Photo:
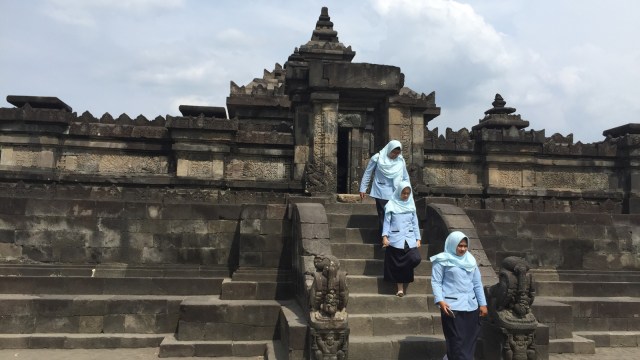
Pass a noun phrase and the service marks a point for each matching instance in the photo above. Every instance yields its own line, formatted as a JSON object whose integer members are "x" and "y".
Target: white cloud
{"x": 87, "y": 12}
{"x": 564, "y": 70}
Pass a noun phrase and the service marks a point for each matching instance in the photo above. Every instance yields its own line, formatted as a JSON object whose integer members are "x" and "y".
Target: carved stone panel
{"x": 113, "y": 164}
{"x": 258, "y": 169}
{"x": 454, "y": 174}
{"x": 506, "y": 177}
{"x": 325, "y": 140}
{"x": 579, "y": 180}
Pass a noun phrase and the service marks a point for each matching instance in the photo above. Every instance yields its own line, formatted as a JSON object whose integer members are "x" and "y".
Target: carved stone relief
{"x": 507, "y": 178}
{"x": 258, "y": 169}
{"x": 325, "y": 137}
{"x": 132, "y": 164}
{"x": 573, "y": 180}
{"x": 26, "y": 158}
{"x": 453, "y": 175}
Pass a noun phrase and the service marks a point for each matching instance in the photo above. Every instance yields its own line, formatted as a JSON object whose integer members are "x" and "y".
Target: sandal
{"x": 400, "y": 294}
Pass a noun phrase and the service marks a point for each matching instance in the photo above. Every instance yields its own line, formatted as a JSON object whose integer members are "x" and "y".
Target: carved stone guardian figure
{"x": 512, "y": 325}
{"x": 329, "y": 332}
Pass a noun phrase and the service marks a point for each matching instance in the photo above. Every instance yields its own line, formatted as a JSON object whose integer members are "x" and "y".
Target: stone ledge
{"x": 612, "y": 338}
{"x": 574, "y": 345}
{"x": 79, "y": 341}
{"x": 171, "y": 347}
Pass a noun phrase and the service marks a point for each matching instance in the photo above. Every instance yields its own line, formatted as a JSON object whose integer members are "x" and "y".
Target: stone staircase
{"x": 246, "y": 318}
{"x": 185, "y": 310}
{"x": 105, "y": 306}
{"x": 587, "y": 309}
{"x": 382, "y": 325}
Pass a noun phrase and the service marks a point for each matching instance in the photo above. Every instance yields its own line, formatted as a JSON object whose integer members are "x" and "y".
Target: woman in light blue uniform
{"x": 388, "y": 168}
{"x": 457, "y": 287}
{"x": 401, "y": 238}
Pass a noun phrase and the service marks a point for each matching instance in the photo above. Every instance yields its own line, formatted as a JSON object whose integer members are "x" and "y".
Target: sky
{"x": 567, "y": 66}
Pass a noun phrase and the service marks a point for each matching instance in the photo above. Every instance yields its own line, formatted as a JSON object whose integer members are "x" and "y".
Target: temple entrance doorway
{"x": 344, "y": 163}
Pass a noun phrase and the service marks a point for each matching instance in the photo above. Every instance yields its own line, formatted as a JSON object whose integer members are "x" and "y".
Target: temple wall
{"x": 103, "y": 231}
{"x": 180, "y": 152}
{"x": 81, "y": 190}
{"x": 510, "y": 169}
{"x": 567, "y": 241}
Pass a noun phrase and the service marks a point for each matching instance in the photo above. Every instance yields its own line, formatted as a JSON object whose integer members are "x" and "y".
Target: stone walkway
{"x": 627, "y": 353}
{"x": 98, "y": 354}
{"x": 619, "y": 353}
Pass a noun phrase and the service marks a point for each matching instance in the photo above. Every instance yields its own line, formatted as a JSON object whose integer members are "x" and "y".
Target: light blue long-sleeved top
{"x": 382, "y": 186}
{"x": 401, "y": 227}
{"x": 459, "y": 288}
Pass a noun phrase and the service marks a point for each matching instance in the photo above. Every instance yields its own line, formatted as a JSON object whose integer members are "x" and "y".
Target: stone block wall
{"x": 569, "y": 241}
{"x": 265, "y": 237}
{"x": 103, "y": 231}
{"x": 516, "y": 169}
{"x": 56, "y": 146}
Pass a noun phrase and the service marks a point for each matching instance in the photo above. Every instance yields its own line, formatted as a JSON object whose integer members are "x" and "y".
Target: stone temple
{"x": 241, "y": 235}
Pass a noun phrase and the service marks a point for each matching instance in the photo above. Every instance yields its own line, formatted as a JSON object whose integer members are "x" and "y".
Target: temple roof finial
{"x": 499, "y": 106}
{"x": 324, "y": 44}
{"x": 324, "y": 28}
{"x": 500, "y": 117}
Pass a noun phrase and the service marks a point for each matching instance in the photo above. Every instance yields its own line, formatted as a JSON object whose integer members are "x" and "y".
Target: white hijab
{"x": 449, "y": 257}
{"x": 391, "y": 168}
{"x": 396, "y": 205}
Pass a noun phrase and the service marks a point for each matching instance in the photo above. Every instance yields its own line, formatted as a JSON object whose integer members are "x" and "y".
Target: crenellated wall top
{"x": 557, "y": 144}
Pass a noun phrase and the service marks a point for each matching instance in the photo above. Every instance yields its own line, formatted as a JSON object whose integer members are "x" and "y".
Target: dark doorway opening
{"x": 343, "y": 160}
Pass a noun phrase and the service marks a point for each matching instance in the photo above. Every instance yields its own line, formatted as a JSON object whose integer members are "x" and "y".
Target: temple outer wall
{"x": 94, "y": 231}
{"x": 562, "y": 241}
{"x": 511, "y": 169}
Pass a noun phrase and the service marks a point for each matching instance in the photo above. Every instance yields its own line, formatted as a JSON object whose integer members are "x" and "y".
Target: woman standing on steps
{"x": 401, "y": 238}
{"x": 457, "y": 288}
{"x": 388, "y": 168}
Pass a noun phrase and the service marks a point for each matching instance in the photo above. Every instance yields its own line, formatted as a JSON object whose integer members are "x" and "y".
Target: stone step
{"x": 114, "y": 270}
{"x": 366, "y": 251}
{"x": 355, "y": 235}
{"x": 79, "y": 341}
{"x": 109, "y": 314}
{"x": 390, "y": 303}
{"x": 76, "y": 285}
{"x": 588, "y": 313}
{"x": 172, "y": 347}
{"x": 587, "y": 288}
{"x": 261, "y": 274}
{"x": 292, "y": 341}
{"x": 277, "y": 350}
{"x": 586, "y": 275}
{"x": 557, "y": 316}
{"x": 574, "y": 345}
{"x": 256, "y": 290}
{"x": 612, "y": 338}
{"x": 357, "y": 251}
{"x": 351, "y": 209}
{"x": 375, "y": 267}
{"x": 413, "y": 347}
{"x": 395, "y": 324}
{"x": 377, "y": 285}
{"x": 337, "y": 221}
{"x": 214, "y": 319}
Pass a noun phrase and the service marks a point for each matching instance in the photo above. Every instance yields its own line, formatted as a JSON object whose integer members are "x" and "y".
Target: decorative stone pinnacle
{"x": 324, "y": 44}
{"x": 324, "y": 28}
{"x": 499, "y": 106}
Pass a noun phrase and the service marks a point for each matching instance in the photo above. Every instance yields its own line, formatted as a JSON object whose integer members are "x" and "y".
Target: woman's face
{"x": 394, "y": 153}
{"x": 404, "y": 194}
{"x": 462, "y": 247}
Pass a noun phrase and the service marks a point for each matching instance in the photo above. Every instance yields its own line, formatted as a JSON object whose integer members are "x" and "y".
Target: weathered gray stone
{"x": 310, "y": 213}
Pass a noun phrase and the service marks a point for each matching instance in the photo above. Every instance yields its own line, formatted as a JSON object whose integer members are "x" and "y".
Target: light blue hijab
{"x": 391, "y": 168}
{"x": 449, "y": 258}
{"x": 396, "y": 205}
